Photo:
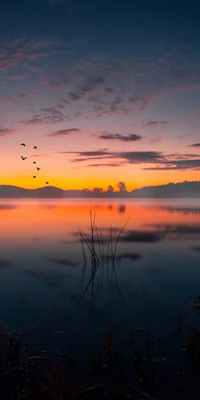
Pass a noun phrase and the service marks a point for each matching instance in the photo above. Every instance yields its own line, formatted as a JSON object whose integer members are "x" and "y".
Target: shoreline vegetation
{"x": 184, "y": 189}
{"x": 138, "y": 365}
{"x": 136, "y": 370}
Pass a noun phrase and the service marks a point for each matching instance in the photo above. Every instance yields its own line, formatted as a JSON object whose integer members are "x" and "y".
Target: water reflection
{"x": 122, "y": 208}
{"x": 41, "y": 260}
{"x": 5, "y": 262}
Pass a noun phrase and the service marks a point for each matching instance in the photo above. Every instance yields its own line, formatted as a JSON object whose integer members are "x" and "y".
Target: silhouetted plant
{"x": 100, "y": 260}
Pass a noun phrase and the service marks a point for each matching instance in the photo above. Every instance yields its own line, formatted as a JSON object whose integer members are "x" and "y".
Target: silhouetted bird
{"x": 23, "y": 144}
{"x": 34, "y": 162}
{"x": 35, "y": 147}
{"x": 47, "y": 183}
{"x": 23, "y": 158}
{"x": 34, "y": 176}
{"x": 38, "y": 168}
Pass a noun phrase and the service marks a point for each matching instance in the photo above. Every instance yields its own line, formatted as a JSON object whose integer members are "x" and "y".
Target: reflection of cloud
{"x": 48, "y": 277}
{"x": 48, "y": 206}
{"x": 75, "y": 297}
{"x": 5, "y": 262}
{"x": 153, "y": 270}
{"x": 141, "y": 237}
{"x": 197, "y": 248}
{"x": 182, "y": 210}
{"x": 5, "y": 206}
{"x": 40, "y": 238}
{"x": 176, "y": 228}
{"x": 87, "y": 303}
{"x": 41, "y": 273}
{"x": 141, "y": 291}
{"x": 130, "y": 256}
{"x": 66, "y": 262}
{"x": 66, "y": 241}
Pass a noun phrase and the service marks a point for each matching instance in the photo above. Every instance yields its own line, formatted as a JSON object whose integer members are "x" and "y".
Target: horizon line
{"x": 103, "y": 191}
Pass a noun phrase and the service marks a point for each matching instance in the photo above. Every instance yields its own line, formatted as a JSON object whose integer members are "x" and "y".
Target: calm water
{"x": 41, "y": 265}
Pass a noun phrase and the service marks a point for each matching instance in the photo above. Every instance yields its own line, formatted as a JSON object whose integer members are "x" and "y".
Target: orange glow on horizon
{"x": 148, "y": 179}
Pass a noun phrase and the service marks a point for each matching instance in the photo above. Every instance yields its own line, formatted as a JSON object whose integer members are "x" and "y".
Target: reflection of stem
{"x": 118, "y": 237}
{"x": 98, "y": 261}
{"x": 142, "y": 394}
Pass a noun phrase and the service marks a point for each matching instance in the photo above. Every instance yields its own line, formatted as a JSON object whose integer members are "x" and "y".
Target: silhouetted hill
{"x": 49, "y": 192}
{"x": 7, "y": 191}
{"x": 171, "y": 190}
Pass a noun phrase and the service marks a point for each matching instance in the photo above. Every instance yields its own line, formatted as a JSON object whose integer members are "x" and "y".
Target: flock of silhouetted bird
{"x": 34, "y": 162}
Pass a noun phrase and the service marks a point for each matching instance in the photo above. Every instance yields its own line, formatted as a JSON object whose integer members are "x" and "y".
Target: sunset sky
{"x": 108, "y": 91}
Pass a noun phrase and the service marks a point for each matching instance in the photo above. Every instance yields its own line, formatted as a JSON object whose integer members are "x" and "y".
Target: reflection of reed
{"x": 102, "y": 262}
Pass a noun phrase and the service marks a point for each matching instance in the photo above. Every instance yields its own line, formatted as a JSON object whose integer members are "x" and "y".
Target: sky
{"x": 108, "y": 91}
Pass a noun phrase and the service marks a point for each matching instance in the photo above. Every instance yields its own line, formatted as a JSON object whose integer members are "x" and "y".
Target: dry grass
{"x": 103, "y": 262}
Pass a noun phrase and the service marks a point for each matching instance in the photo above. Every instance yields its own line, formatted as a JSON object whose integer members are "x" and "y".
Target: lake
{"x": 42, "y": 265}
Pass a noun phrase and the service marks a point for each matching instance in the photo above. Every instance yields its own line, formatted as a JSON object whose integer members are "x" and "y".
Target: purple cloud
{"x": 194, "y": 145}
{"x": 131, "y": 137}
{"x": 63, "y": 132}
{"x": 159, "y": 160}
{"x": 154, "y": 124}
{"x": 6, "y": 132}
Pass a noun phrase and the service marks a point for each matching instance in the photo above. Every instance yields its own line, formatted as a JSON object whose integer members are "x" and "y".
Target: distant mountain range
{"x": 171, "y": 190}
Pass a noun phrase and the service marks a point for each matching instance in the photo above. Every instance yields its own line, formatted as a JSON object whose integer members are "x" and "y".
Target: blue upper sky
{"x": 150, "y": 20}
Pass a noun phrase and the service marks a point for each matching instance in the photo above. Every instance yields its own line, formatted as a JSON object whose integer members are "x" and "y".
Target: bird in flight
{"x": 23, "y": 144}
{"x": 35, "y": 147}
{"x": 23, "y": 158}
{"x": 47, "y": 183}
{"x": 38, "y": 168}
{"x": 34, "y": 162}
{"x": 34, "y": 176}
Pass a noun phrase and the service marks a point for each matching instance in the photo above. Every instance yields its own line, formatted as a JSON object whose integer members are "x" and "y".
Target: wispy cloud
{"x": 50, "y": 115}
{"x": 114, "y": 164}
{"x": 23, "y": 51}
{"x": 159, "y": 160}
{"x": 6, "y": 131}
{"x": 131, "y": 137}
{"x": 194, "y": 145}
{"x": 132, "y": 157}
{"x": 63, "y": 132}
{"x": 176, "y": 165}
{"x": 154, "y": 124}
{"x": 23, "y": 95}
